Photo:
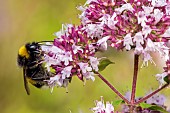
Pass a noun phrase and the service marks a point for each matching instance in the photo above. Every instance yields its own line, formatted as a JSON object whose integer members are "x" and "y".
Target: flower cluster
{"x": 139, "y": 25}
{"x": 100, "y": 107}
{"x": 72, "y": 53}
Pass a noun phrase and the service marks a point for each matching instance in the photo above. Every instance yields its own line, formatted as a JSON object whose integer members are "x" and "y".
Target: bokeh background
{"x": 24, "y": 21}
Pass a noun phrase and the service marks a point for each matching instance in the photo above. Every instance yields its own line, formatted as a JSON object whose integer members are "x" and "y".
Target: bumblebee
{"x": 30, "y": 58}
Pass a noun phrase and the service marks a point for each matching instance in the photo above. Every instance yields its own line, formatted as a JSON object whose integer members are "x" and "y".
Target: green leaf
{"x": 158, "y": 108}
{"x": 167, "y": 79}
{"x": 153, "y": 107}
{"x": 104, "y": 63}
{"x": 145, "y": 105}
{"x": 118, "y": 102}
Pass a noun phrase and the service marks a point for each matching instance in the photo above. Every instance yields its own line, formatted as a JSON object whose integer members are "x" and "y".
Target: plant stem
{"x": 113, "y": 88}
{"x": 136, "y": 60}
{"x": 153, "y": 93}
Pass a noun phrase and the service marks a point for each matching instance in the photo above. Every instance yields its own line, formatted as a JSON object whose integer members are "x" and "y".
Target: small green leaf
{"x": 158, "y": 108}
{"x": 145, "y": 105}
{"x": 118, "y": 102}
{"x": 104, "y": 63}
{"x": 167, "y": 79}
{"x": 153, "y": 107}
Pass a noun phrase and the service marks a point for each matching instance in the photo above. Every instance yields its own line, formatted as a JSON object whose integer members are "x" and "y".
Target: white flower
{"x": 162, "y": 49}
{"x": 54, "y": 79}
{"x": 138, "y": 49}
{"x": 94, "y": 30}
{"x": 104, "y": 19}
{"x": 51, "y": 61}
{"x": 150, "y": 46}
{"x": 81, "y": 8}
{"x": 157, "y": 47}
{"x": 86, "y": 71}
{"x": 67, "y": 56}
{"x": 111, "y": 22}
{"x": 84, "y": 67}
{"x": 46, "y": 47}
{"x": 92, "y": 48}
{"x": 103, "y": 42}
{"x": 57, "y": 80}
{"x": 56, "y": 50}
{"x": 138, "y": 38}
{"x": 146, "y": 57}
{"x": 100, "y": 107}
{"x": 63, "y": 30}
{"x": 66, "y": 28}
{"x": 94, "y": 63}
{"x": 76, "y": 49}
{"x": 146, "y": 30}
{"x": 158, "y": 15}
{"x": 128, "y": 41}
{"x": 66, "y": 72}
{"x": 109, "y": 107}
{"x": 89, "y": 76}
{"x": 147, "y": 10}
{"x": 158, "y": 3}
{"x": 55, "y": 58}
{"x": 63, "y": 82}
{"x": 126, "y": 6}
{"x": 58, "y": 34}
{"x": 167, "y": 9}
{"x": 160, "y": 78}
{"x": 141, "y": 18}
{"x": 82, "y": 16}
{"x": 166, "y": 33}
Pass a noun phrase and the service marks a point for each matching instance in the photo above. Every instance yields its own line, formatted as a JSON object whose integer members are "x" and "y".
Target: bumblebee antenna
{"x": 42, "y": 43}
{"x": 45, "y": 41}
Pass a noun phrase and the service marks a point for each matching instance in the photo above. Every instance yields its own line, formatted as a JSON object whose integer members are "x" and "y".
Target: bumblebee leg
{"x": 26, "y": 82}
{"x": 34, "y": 64}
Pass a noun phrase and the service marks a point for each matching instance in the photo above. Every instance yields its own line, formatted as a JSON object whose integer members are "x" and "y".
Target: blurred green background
{"x": 24, "y": 21}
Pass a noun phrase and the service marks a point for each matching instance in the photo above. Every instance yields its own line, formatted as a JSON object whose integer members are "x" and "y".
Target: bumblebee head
{"x": 33, "y": 48}
{"x": 27, "y": 51}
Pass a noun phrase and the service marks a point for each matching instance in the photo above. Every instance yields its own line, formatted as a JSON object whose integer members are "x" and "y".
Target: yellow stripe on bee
{"x": 23, "y": 52}
{"x": 31, "y": 81}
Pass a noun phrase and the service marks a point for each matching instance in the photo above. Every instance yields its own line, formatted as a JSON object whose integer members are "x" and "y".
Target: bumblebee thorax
{"x": 23, "y": 52}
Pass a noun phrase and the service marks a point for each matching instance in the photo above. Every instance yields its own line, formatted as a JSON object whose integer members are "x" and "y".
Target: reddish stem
{"x": 150, "y": 95}
{"x": 113, "y": 88}
{"x": 136, "y": 60}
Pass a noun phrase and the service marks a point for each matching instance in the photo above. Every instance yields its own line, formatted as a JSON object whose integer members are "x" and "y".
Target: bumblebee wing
{"x": 26, "y": 82}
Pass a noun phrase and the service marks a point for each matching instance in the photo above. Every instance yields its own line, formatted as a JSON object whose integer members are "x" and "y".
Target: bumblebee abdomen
{"x": 37, "y": 83}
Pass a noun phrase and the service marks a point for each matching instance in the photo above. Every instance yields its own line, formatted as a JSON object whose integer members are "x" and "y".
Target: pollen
{"x": 23, "y": 52}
